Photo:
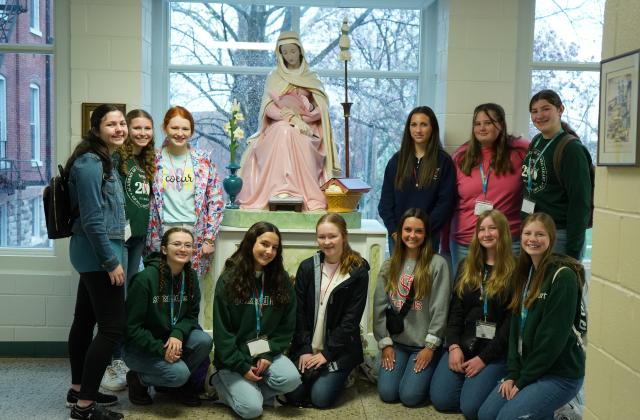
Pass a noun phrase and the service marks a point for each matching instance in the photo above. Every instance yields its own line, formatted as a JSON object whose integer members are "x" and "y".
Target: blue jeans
{"x": 452, "y": 391}
{"x": 246, "y": 397}
{"x": 133, "y": 254}
{"x": 536, "y": 401}
{"x": 154, "y": 370}
{"x": 402, "y": 383}
{"x": 323, "y": 391}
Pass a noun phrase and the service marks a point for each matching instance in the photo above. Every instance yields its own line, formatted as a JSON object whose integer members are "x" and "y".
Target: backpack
{"x": 58, "y": 213}
{"x": 579, "y": 326}
{"x": 557, "y": 159}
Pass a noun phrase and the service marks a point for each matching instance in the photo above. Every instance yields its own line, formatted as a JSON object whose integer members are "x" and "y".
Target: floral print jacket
{"x": 208, "y": 207}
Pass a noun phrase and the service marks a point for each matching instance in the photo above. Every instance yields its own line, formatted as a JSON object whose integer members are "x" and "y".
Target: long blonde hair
{"x": 422, "y": 278}
{"x": 499, "y": 282}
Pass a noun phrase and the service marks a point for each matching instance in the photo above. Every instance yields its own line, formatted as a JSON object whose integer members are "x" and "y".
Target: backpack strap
{"x": 559, "y": 151}
{"x": 573, "y": 325}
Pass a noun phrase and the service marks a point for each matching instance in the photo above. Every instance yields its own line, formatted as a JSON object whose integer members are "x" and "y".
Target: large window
{"x": 223, "y": 51}
{"x": 26, "y": 121}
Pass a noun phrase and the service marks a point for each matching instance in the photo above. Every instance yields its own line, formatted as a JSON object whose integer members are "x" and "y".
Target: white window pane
{"x": 568, "y": 30}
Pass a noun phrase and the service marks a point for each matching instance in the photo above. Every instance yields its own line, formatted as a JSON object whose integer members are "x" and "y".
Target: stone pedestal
{"x": 298, "y": 244}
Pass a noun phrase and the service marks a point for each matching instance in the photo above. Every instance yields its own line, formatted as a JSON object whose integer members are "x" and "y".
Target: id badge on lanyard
{"x": 483, "y": 205}
{"x": 485, "y": 329}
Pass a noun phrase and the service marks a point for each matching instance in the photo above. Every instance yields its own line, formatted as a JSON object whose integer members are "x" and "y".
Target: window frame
{"x": 3, "y": 121}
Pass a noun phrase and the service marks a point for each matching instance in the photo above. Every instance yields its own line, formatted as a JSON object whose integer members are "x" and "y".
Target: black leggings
{"x": 97, "y": 301}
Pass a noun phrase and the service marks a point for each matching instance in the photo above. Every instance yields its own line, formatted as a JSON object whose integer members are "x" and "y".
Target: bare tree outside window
{"x": 220, "y": 52}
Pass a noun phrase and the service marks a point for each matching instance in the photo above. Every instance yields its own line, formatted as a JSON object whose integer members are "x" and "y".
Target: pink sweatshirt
{"x": 504, "y": 192}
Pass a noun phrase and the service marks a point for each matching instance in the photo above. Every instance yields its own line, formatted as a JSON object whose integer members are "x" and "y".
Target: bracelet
{"x": 454, "y": 346}
{"x": 430, "y": 346}
{"x": 209, "y": 241}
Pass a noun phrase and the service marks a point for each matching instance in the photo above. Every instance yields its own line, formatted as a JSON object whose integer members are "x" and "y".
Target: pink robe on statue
{"x": 283, "y": 160}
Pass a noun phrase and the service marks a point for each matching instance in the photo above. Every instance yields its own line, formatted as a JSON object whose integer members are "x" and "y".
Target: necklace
{"x": 173, "y": 166}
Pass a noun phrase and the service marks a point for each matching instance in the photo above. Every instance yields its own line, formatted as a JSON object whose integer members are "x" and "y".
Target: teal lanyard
{"x": 174, "y": 318}
{"x": 258, "y": 303}
{"x": 485, "y": 180}
{"x": 524, "y": 312}
{"x": 532, "y": 165}
{"x": 483, "y": 295}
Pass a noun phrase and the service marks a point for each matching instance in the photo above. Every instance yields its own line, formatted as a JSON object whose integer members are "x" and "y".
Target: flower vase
{"x": 232, "y": 185}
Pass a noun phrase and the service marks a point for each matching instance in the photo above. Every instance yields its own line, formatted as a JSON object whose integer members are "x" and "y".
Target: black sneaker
{"x": 93, "y": 412}
{"x": 138, "y": 393}
{"x": 103, "y": 400}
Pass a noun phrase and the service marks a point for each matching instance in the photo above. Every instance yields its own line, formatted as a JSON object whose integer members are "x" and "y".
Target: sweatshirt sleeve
{"x": 349, "y": 325}
{"x": 302, "y": 337}
{"x": 214, "y": 203}
{"x": 380, "y": 302}
{"x": 189, "y": 320}
{"x": 387, "y": 204}
{"x": 438, "y": 300}
{"x": 455, "y": 323}
{"x": 446, "y": 196}
{"x": 224, "y": 338}
{"x": 553, "y": 330}
{"x": 280, "y": 340}
{"x": 576, "y": 180}
{"x": 137, "y": 306}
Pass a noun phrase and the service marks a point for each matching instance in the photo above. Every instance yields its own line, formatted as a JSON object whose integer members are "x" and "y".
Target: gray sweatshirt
{"x": 427, "y": 319}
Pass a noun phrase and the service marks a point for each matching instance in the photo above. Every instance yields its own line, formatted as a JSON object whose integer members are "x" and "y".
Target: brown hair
{"x": 553, "y": 98}
{"x": 190, "y": 277}
{"x": 422, "y": 278}
{"x": 406, "y": 155}
{"x": 147, "y": 156}
{"x": 501, "y": 148}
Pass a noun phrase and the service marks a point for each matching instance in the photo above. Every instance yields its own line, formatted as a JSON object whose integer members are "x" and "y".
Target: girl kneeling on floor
{"x": 332, "y": 292}
{"x": 478, "y": 325}
{"x": 546, "y": 357}
{"x": 411, "y": 303}
{"x": 254, "y": 316}
{"x": 164, "y": 343}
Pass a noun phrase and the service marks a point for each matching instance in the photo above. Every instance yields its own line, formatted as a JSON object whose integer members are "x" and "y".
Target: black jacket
{"x": 342, "y": 345}
{"x": 463, "y": 314}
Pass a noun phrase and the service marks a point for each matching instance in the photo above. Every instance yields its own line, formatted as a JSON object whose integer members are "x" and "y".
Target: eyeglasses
{"x": 185, "y": 245}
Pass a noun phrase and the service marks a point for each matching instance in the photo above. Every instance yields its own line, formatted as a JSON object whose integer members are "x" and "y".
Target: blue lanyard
{"x": 174, "y": 319}
{"x": 483, "y": 295}
{"x": 485, "y": 180}
{"x": 535, "y": 162}
{"x": 258, "y": 303}
{"x": 524, "y": 312}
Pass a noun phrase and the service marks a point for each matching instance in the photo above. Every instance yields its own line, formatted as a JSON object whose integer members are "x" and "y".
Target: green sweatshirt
{"x": 137, "y": 197}
{"x": 148, "y": 308}
{"x": 567, "y": 202}
{"x": 234, "y": 323}
{"x": 549, "y": 345}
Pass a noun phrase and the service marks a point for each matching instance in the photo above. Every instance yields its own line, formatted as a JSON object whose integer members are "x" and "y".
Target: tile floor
{"x": 36, "y": 388}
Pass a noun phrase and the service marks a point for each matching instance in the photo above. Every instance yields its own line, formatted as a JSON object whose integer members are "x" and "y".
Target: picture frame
{"x": 87, "y": 110}
{"x": 618, "y": 133}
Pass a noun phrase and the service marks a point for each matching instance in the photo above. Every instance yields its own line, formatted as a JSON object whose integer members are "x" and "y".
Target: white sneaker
{"x": 121, "y": 367}
{"x": 113, "y": 380}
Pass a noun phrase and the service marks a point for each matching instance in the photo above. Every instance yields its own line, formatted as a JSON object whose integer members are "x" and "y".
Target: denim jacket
{"x": 101, "y": 207}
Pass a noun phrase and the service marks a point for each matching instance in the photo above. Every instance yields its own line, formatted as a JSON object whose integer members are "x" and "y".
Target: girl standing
{"x": 420, "y": 175}
{"x": 546, "y": 358}
{"x": 164, "y": 344}
{"x": 331, "y": 288}
{"x": 487, "y": 177}
{"x": 556, "y": 174}
{"x": 96, "y": 251}
{"x": 478, "y": 324}
{"x": 186, "y": 190}
{"x": 414, "y": 281}
{"x": 254, "y": 316}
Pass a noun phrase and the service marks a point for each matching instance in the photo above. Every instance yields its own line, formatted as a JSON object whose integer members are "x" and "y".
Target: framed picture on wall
{"x": 87, "y": 110}
{"x": 618, "y": 134}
